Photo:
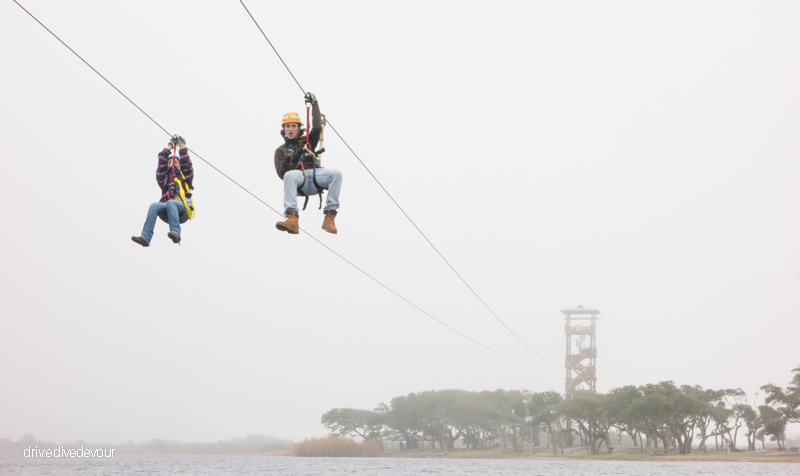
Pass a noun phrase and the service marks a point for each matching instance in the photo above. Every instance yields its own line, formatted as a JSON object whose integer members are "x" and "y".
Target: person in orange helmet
{"x": 301, "y": 171}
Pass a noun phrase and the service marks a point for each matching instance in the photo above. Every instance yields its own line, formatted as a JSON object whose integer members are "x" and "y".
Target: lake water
{"x": 147, "y": 465}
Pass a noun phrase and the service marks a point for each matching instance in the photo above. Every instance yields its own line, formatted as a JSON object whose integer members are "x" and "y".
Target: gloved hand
{"x": 172, "y": 142}
{"x": 310, "y": 98}
{"x": 181, "y": 142}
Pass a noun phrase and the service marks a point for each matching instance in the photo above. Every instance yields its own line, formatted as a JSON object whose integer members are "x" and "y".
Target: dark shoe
{"x": 140, "y": 241}
{"x": 174, "y": 237}
{"x": 291, "y": 224}
{"x": 328, "y": 223}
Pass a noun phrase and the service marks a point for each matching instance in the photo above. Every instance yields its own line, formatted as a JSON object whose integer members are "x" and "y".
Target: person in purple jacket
{"x": 171, "y": 207}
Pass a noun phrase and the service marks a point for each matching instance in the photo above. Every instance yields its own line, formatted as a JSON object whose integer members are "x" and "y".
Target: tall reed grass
{"x": 336, "y": 446}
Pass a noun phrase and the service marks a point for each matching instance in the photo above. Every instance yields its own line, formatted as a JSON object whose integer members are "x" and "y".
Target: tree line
{"x": 675, "y": 417}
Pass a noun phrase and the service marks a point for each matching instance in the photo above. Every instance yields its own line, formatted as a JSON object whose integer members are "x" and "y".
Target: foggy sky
{"x": 635, "y": 157}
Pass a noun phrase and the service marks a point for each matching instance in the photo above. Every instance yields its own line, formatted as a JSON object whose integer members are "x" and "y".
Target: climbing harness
{"x": 184, "y": 187}
{"x": 315, "y": 160}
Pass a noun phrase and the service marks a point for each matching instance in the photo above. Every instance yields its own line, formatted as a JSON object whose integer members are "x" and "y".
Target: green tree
{"x": 509, "y": 424}
{"x": 369, "y": 425}
{"x": 709, "y": 417}
{"x": 774, "y": 424}
{"x": 721, "y": 415}
{"x": 737, "y": 402}
{"x": 620, "y": 402}
{"x": 753, "y": 423}
{"x": 405, "y": 420}
{"x": 786, "y": 401}
{"x": 529, "y": 429}
{"x": 761, "y": 436}
{"x": 671, "y": 412}
{"x": 501, "y": 414}
{"x": 545, "y": 409}
{"x": 590, "y": 412}
{"x": 474, "y": 418}
{"x": 439, "y": 411}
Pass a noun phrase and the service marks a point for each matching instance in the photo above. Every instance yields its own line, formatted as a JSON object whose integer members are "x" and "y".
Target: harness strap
{"x": 314, "y": 155}
{"x": 315, "y": 162}
{"x": 175, "y": 155}
{"x": 303, "y": 168}
{"x": 320, "y": 188}
{"x": 308, "y": 124}
{"x": 182, "y": 184}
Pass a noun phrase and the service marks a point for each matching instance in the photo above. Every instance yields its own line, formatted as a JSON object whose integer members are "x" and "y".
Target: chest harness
{"x": 314, "y": 155}
{"x": 184, "y": 186}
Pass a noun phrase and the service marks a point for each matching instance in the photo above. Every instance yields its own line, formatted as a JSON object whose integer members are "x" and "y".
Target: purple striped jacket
{"x": 169, "y": 189}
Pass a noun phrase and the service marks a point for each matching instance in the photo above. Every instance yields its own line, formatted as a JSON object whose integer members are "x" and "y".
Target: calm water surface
{"x": 13, "y": 465}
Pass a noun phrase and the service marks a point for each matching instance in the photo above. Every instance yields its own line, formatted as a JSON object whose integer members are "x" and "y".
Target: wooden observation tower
{"x": 580, "y": 361}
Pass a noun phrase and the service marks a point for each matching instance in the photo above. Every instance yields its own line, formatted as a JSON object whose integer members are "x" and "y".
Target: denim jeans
{"x": 171, "y": 210}
{"x": 328, "y": 178}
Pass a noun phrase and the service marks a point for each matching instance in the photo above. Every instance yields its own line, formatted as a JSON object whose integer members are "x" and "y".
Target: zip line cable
{"x": 392, "y": 198}
{"x": 273, "y": 209}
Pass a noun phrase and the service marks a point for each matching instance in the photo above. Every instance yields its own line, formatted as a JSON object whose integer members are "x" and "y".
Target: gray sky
{"x": 635, "y": 157}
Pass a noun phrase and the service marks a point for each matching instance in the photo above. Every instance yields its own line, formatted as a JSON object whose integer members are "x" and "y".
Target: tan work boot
{"x": 328, "y": 223}
{"x": 140, "y": 240}
{"x": 291, "y": 224}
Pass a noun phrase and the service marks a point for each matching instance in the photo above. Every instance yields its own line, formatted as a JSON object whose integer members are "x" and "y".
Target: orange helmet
{"x": 291, "y": 117}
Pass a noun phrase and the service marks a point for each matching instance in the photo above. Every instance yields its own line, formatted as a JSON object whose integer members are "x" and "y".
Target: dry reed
{"x": 336, "y": 446}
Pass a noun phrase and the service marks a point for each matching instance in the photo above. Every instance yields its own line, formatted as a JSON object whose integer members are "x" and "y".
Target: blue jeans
{"x": 326, "y": 178}
{"x": 171, "y": 210}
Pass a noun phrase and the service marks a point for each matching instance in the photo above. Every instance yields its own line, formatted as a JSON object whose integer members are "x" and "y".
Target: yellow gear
{"x": 181, "y": 186}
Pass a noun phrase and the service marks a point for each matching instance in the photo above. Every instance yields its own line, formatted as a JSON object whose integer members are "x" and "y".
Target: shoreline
{"x": 758, "y": 456}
